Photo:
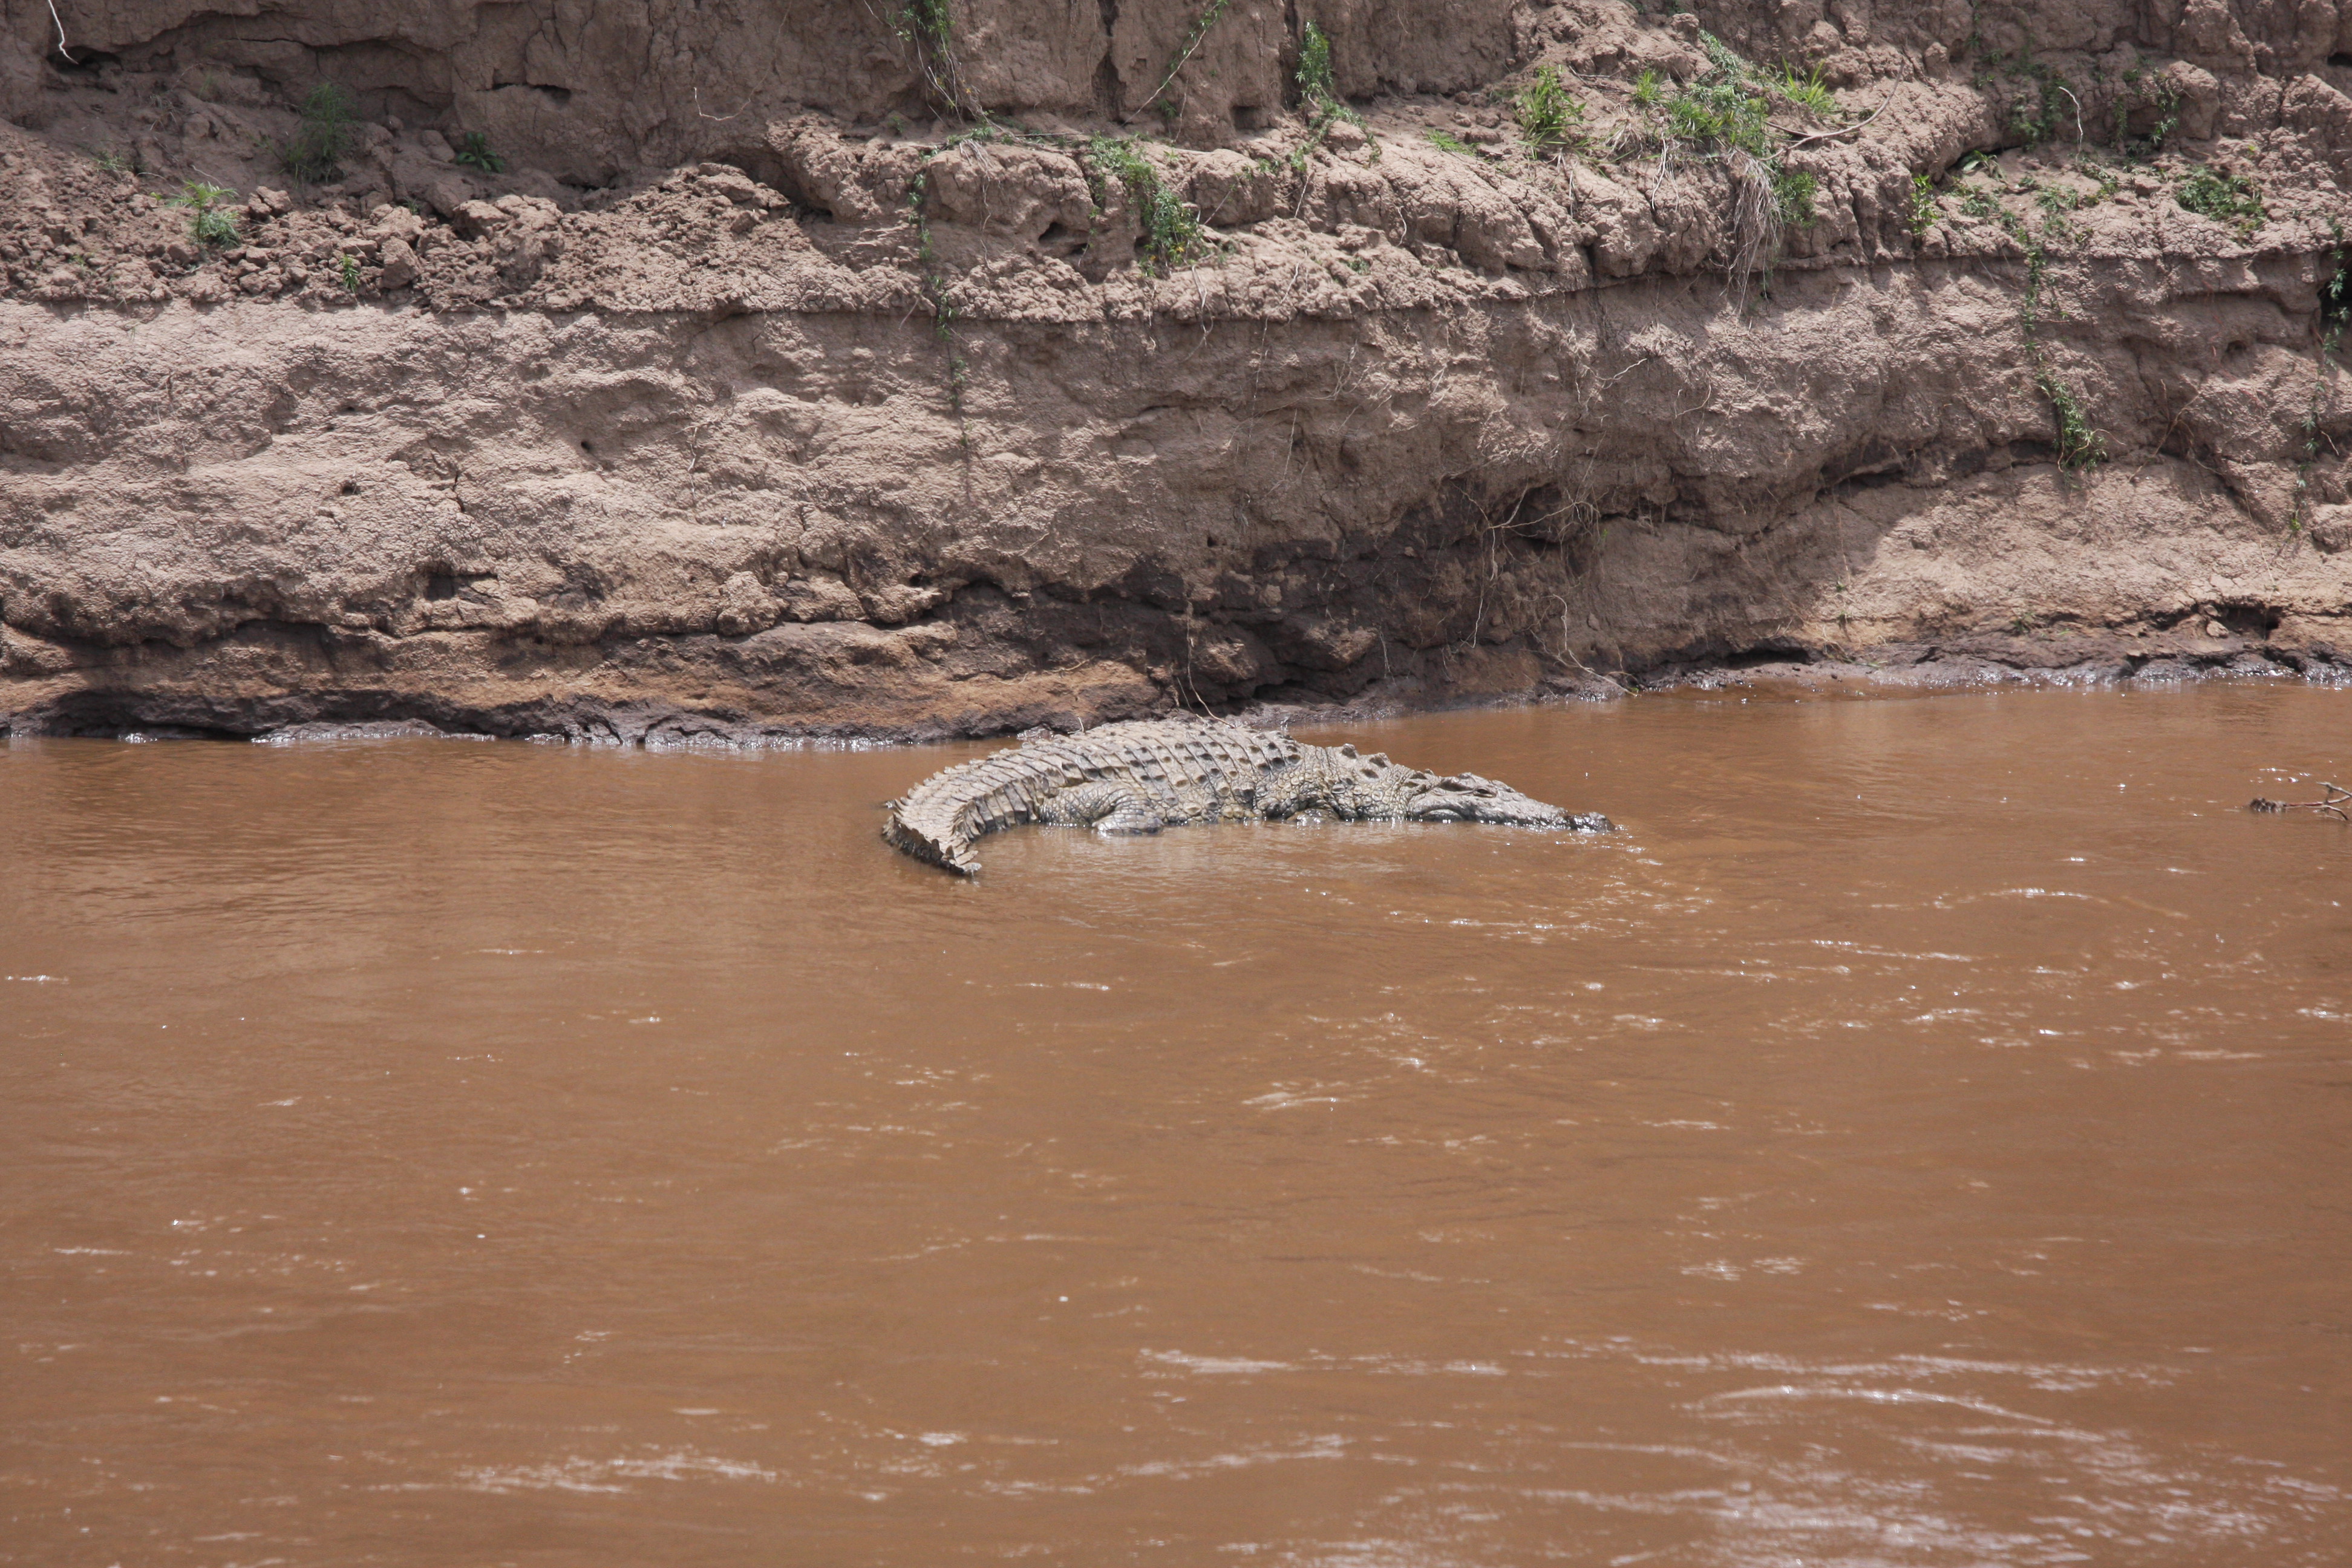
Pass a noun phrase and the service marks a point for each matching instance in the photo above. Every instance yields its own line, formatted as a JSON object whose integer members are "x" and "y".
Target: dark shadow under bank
{"x": 1976, "y": 661}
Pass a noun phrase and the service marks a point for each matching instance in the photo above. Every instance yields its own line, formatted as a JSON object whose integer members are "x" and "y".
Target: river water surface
{"x": 1919, "y": 1137}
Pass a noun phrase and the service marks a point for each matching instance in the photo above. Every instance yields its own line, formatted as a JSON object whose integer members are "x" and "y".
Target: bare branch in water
{"x": 2332, "y": 803}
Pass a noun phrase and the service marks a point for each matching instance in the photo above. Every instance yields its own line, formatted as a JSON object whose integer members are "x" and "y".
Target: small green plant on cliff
{"x": 1723, "y": 60}
{"x": 1445, "y": 142}
{"x": 2105, "y": 178}
{"x": 2233, "y": 199}
{"x": 1316, "y": 86}
{"x": 2134, "y": 91}
{"x": 2055, "y": 203}
{"x": 1550, "y": 118}
{"x": 109, "y": 162}
{"x": 2037, "y": 115}
{"x": 1645, "y": 89}
{"x": 1924, "y": 212}
{"x": 1318, "y": 94}
{"x": 210, "y": 224}
{"x": 928, "y": 28}
{"x": 2040, "y": 118}
{"x": 1172, "y": 229}
{"x": 945, "y": 313}
{"x": 474, "y": 152}
{"x": 321, "y": 136}
{"x": 1792, "y": 196}
{"x": 1193, "y": 37}
{"x": 926, "y": 21}
{"x": 2080, "y": 447}
{"x": 347, "y": 270}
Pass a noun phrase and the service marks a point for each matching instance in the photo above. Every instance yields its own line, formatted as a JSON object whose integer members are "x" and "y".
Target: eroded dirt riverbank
{"x": 808, "y": 373}
{"x": 1916, "y": 1140}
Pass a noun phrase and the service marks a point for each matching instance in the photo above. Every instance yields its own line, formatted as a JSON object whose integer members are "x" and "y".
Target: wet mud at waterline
{"x": 1917, "y": 1137}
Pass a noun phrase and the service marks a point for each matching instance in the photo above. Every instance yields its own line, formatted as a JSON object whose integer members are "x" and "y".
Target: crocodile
{"x": 1145, "y": 775}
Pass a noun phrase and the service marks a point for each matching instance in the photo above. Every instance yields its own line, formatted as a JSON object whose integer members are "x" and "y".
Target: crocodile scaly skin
{"x": 1146, "y": 774}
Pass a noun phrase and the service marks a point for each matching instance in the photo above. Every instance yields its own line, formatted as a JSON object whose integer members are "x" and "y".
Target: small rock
{"x": 437, "y": 146}
{"x": 446, "y": 195}
{"x": 399, "y": 265}
{"x": 475, "y": 220}
{"x": 396, "y": 222}
{"x": 2216, "y": 630}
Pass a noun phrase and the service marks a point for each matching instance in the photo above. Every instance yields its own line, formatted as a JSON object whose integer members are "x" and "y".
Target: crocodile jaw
{"x": 1466, "y": 797}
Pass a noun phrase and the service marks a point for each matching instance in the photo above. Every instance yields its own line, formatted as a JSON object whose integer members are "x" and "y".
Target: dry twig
{"x": 2332, "y": 804}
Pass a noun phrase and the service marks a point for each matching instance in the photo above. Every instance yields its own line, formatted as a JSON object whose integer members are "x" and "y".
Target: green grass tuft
{"x": 1550, "y": 118}
{"x": 324, "y": 134}
{"x": 1807, "y": 91}
{"x": 1720, "y": 117}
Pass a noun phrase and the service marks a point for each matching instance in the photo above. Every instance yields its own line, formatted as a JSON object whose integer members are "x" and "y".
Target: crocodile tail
{"x": 934, "y": 837}
{"x": 941, "y": 819}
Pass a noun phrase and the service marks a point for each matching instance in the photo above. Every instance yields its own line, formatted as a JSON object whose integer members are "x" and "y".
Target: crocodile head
{"x": 1466, "y": 797}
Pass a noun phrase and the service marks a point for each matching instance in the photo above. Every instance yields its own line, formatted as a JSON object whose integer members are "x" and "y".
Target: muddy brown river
{"x": 1919, "y": 1137}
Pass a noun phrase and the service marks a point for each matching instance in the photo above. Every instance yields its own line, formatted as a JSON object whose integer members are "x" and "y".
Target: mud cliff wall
{"x": 845, "y": 369}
